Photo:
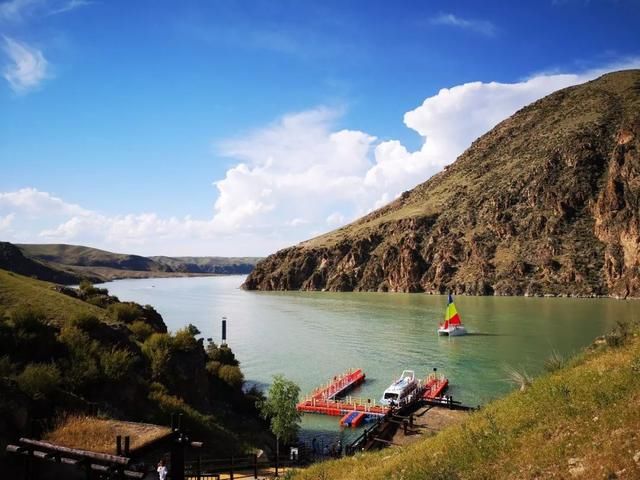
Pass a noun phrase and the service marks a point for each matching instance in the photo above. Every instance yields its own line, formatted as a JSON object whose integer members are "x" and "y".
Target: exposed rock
{"x": 546, "y": 203}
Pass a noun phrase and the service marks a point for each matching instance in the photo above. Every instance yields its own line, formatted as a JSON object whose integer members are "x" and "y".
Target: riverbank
{"x": 579, "y": 421}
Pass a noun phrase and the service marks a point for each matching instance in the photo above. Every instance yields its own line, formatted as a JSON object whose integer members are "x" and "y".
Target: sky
{"x": 241, "y": 127}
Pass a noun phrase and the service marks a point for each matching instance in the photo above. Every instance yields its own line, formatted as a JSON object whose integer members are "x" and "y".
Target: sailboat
{"x": 452, "y": 325}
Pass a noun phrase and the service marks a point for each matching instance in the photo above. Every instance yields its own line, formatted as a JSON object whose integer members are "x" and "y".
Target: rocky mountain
{"x": 546, "y": 203}
{"x": 101, "y": 265}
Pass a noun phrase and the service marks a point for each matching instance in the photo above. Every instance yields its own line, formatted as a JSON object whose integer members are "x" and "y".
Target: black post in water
{"x": 224, "y": 330}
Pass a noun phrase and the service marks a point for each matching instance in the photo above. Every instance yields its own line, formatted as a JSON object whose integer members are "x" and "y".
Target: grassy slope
{"x": 17, "y": 290}
{"x": 581, "y": 422}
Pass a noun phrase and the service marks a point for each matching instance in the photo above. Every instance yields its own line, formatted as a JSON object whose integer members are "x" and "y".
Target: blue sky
{"x": 229, "y": 127}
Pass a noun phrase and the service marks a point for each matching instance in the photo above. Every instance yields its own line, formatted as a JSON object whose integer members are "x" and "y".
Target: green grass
{"x": 19, "y": 291}
{"x": 582, "y": 421}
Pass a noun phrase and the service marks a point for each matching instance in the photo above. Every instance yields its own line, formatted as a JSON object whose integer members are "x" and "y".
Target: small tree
{"x": 280, "y": 408}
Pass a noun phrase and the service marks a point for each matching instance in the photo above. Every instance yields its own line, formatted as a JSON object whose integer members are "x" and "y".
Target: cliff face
{"x": 548, "y": 202}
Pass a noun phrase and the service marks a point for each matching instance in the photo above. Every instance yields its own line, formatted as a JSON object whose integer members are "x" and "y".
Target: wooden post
{"x": 255, "y": 466}
{"x": 127, "y": 443}
{"x": 231, "y": 471}
{"x": 119, "y": 445}
{"x": 199, "y": 466}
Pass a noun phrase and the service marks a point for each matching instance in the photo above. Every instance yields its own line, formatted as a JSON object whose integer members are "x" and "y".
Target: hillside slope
{"x": 102, "y": 265}
{"x": 72, "y": 351}
{"x": 547, "y": 202}
{"x": 582, "y": 422}
{"x": 12, "y": 259}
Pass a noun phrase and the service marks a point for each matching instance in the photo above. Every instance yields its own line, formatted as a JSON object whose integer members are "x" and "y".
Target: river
{"x": 311, "y": 336}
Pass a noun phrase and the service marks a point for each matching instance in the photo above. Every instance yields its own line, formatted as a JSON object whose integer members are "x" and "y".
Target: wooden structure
{"x": 71, "y": 462}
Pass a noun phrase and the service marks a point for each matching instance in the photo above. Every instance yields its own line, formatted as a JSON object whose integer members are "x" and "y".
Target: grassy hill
{"x": 102, "y": 265}
{"x": 581, "y": 421}
{"x": 74, "y": 351}
{"x": 18, "y": 292}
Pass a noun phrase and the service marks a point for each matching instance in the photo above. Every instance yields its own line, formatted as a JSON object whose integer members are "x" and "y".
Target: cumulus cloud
{"x": 34, "y": 202}
{"x": 6, "y": 221}
{"x": 302, "y": 175}
{"x": 27, "y": 67}
{"x": 483, "y": 27}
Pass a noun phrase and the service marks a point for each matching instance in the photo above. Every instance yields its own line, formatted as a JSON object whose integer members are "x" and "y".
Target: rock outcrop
{"x": 546, "y": 203}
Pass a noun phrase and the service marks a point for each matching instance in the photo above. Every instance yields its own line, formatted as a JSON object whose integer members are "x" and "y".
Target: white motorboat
{"x": 402, "y": 391}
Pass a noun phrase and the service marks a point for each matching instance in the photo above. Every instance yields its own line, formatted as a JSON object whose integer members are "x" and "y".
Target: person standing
{"x": 162, "y": 470}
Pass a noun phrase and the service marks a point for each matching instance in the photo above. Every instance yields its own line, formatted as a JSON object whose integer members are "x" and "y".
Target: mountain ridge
{"x": 545, "y": 203}
{"x": 75, "y": 262}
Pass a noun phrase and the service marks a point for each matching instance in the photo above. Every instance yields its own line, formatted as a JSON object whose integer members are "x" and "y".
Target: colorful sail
{"x": 451, "y": 315}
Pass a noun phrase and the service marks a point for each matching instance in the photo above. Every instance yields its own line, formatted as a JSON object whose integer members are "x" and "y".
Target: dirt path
{"x": 428, "y": 421}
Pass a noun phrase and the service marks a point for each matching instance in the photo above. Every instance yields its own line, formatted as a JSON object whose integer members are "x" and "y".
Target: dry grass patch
{"x": 99, "y": 435}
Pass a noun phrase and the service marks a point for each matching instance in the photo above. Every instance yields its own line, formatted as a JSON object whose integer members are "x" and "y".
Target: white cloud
{"x": 20, "y": 10}
{"x": 69, "y": 5}
{"x": 299, "y": 176}
{"x": 15, "y": 10}
{"x": 28, "y": 67}
{"x": 6, "y": 221}
{"x": 34, "y": 202}
{"x": 483, "y": 27}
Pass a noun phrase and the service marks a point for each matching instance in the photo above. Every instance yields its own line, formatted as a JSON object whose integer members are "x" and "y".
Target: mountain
{"x": 101, "y": 265}
{"x": 546, "y": 203}
{"x": 11, "y": 258}
{"x": 218, "y": 265}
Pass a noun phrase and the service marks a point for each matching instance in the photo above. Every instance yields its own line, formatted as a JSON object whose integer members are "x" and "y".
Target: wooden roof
{"x": 99, "y": 435}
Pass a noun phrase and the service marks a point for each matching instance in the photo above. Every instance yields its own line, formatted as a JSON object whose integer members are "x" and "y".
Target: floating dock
{"x": 324, "y": 400}
{"x": 434, "y": 386}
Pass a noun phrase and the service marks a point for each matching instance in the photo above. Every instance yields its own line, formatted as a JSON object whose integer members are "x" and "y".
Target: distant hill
{"x": 12, "y": 259}
{"x": 101, "y": 265}
{"x": 547, "y": 202}
{"x": 219, "y": 265}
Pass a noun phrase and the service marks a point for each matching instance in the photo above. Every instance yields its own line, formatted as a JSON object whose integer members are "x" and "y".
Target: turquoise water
{"x": 311, "y": 336}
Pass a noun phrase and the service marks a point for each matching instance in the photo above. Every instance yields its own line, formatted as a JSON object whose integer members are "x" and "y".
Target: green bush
{"x": 141, "y": 330}
{"x": 231, "y": 375}
{"x": 82, "y": 363}
{"x": 39, "y": 380}
{"x": 127, "y": 312}
{"x": 158, "y": 349}
{"x": 85, "y": 321}
{"x": 222, "y": 354}
{"x": 7, "y": 368}
{"x": 185, "y": 339}
{"x": 117, "y": 364}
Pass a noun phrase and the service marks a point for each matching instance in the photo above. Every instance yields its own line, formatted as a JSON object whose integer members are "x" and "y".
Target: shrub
{"x": 85, "y": 321}
{"x": 185, "y": 339}
{"x": 141, "y": 330}
{"x": 222, "y": 354}
{"x": 7, "y": 368}
{"x": 82, "y": 364}
{"x": 158, "y": 348}
{"x": 39, "y": 380}
{"x": 554, "y": 362}
{"x": 126, "y": 312}
{"x": 231, "y": 375}
{"x": 213, "y": 367}
{"x": 116, "y": 364}
{"x": 520, "y": 378}
{"x": 88, "y": 290}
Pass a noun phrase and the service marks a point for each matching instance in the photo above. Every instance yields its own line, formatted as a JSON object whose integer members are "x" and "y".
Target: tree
{"x": 280, "y": 408}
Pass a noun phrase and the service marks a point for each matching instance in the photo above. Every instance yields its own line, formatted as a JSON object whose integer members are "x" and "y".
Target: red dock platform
{"x": 434, "y": 387}
{"x": 323, "y": 399}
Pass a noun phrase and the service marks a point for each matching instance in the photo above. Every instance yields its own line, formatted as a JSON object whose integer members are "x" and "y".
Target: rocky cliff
{"x": 548, "y": 202}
